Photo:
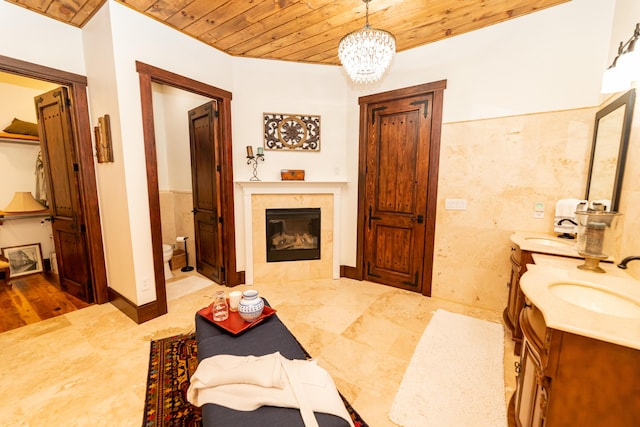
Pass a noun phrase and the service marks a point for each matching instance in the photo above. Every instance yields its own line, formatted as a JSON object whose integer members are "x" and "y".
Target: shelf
{"x": 8, "y": 217}
{"x": 19, "y": 139}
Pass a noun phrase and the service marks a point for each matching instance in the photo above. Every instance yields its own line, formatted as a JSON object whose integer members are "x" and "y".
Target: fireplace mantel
{"x": 250, "y": 188}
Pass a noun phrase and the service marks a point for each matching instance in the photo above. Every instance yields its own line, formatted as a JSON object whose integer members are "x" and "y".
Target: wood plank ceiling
{"x": 303, "y": 30}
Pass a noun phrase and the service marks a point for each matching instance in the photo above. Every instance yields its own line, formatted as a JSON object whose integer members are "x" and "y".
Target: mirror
{"x": 609, "y": 150}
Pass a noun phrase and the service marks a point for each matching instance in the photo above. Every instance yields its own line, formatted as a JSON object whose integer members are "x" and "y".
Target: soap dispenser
{"x": 596, "y": 236}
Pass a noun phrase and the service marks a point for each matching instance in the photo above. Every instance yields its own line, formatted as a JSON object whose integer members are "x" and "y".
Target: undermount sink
{"x": 548, "y": 242}
{"x": 597, "y": 299}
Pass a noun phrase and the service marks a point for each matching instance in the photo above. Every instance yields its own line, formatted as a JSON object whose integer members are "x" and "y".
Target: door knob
{"x": 419, "y": 219}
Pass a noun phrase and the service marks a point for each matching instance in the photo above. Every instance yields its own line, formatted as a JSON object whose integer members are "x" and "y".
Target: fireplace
{"x": 293, "y": 234}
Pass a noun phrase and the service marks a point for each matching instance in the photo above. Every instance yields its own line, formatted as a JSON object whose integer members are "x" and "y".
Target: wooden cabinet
{"x": 511, "y": 314}
{"x": 564, "y": 379}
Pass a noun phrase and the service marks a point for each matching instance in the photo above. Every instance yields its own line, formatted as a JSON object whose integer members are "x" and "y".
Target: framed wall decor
{"x": 291, "y": 132}
{"x": 25, "y": 259}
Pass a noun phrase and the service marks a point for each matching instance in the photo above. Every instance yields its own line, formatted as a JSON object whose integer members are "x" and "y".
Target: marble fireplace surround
{"x": 260, "y": 195}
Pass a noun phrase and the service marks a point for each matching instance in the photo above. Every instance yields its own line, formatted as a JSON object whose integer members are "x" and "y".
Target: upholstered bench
{"x": 269, "y": 336}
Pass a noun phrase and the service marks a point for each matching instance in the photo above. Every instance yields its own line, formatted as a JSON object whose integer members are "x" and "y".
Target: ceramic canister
{"x": 250, "y": 306}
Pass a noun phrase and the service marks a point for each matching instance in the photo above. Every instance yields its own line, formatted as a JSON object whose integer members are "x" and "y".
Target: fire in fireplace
{"x": 293, "y": 234}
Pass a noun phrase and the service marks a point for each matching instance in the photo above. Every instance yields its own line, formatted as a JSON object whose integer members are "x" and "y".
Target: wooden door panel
{"x": 71, "y": 253}
{"x": 205, "y": 170}
{"x": 67, "y": 220}
{"x": 397, "y": 163}
{"x": 397, "y": 179}
{"x": 208, "y": 258}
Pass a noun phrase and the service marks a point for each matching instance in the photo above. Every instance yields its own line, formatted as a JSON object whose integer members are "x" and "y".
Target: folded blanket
{"x": 245, "y": 383}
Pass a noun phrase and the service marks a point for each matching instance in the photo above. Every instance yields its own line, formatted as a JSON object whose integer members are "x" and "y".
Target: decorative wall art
{"x": 291, "y": 132}
{"x": 26, "y": 259}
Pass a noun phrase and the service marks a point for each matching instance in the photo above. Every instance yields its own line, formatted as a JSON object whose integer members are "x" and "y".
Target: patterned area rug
{"x": 171, "y": 363}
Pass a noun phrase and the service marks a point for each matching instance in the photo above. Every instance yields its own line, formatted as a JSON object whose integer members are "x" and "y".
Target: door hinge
{"x": 216, "y": 113}
{"x": 218, "y": 168}
{"x": 83, "y": 228}
{"x": 76, "y": 168}
{"x": 220, "y": 219}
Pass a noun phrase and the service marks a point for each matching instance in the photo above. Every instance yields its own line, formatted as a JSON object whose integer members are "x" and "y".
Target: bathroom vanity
{"x": 580, "y": 360}
{"x": 523, "y": 246}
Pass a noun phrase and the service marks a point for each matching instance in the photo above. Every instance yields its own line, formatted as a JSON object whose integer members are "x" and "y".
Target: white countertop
{"x": 565, "y": 316}
{"x": 546, "y": 243}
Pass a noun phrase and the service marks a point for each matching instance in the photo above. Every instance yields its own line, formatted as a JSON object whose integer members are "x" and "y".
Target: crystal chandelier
{"x": 366, "y": 53}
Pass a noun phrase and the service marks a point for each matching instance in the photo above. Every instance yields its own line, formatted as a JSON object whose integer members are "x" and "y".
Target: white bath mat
{"x": 455, "y": 377}
{"x": 186, "y": 286}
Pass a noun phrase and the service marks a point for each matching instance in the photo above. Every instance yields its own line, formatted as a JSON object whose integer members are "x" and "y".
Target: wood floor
{"x": 34, "y": 298}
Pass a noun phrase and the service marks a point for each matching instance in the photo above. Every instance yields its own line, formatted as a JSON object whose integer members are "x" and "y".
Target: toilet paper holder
{"x": 186, "y": 253}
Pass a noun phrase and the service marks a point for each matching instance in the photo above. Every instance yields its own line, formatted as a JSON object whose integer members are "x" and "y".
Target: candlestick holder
{"x": 253, "y": 161}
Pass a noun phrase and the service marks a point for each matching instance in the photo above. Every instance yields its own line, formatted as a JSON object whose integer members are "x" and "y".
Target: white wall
{"x": 135, "y": 37}
{"x": 170, "y": 111}
{"x": 544, "y": 61}
{"x": 280, "y": 87}
{"x": 35, "y": 38}
{"x": 626, "y": 17}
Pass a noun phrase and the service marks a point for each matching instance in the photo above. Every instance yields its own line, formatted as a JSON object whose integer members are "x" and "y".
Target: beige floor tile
{"x": 89, "y": 367}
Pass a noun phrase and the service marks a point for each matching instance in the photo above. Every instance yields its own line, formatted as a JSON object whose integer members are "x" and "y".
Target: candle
{"x": 249, "y": 151}
{"x": 260, "y": 151}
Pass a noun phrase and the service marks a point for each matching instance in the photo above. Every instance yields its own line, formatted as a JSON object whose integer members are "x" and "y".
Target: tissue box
{"x": 292, "y": 174}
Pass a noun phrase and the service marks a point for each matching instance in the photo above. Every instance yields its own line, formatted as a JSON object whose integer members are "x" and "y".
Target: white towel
{"x": 566, "y": 209}
{"x": 245, "y": 383}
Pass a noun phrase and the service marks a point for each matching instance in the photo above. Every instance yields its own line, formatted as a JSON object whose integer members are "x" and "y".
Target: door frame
{"x": 77, "y": 85}
{"x": 148, "y": 74}
{"x": 437, "y": 89}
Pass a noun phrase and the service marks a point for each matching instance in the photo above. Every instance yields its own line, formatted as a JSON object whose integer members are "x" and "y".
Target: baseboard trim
{"x": 137, "y": 313}
{"x": 349, "y": 272}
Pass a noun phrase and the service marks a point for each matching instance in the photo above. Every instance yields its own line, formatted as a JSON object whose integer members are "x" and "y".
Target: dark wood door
{"x": 67, "y": 219}
{"x": 204, "y": 133}
{"x": 397, "y": 152}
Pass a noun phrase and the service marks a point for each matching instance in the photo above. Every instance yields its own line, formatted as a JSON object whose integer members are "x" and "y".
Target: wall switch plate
{"x": 538, "y": 210}
{"x": 455, "y": 204}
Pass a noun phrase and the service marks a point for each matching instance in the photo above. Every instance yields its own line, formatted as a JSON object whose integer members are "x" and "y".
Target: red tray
{"x": 234, "y": 323}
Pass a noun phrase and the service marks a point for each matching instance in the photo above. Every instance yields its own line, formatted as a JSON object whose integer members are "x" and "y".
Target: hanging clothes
{"x": 41, "y": 181}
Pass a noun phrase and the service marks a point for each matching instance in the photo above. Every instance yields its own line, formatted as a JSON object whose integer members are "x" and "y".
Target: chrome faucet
{"x": 627, "y": 260}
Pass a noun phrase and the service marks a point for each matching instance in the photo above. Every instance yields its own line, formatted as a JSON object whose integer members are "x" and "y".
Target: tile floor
{"x": 89, "y": 367}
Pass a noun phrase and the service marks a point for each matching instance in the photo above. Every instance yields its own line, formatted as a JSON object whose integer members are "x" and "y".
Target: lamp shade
{"x": 23, "y": 202}
{"x": 614, "y": 80}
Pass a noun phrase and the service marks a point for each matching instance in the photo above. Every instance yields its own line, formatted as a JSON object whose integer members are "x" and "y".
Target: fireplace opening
{"x": 293, "y": 234}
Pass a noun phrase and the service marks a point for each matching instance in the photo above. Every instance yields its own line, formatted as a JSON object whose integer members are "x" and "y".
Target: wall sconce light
{"x": 625, "y": 68}
{"x": 104, "y": 148}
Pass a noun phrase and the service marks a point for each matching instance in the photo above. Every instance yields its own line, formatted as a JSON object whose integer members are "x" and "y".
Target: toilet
{"x": 167, "y": 253}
